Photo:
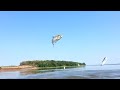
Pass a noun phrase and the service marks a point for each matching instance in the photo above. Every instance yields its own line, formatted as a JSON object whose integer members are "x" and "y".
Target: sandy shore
{"x": 16, "y": 68}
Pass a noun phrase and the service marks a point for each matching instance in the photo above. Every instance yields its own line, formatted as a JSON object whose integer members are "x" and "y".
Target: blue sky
{"x": 88, "y": 36}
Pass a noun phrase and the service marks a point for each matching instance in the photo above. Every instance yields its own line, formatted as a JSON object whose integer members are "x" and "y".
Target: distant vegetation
{"x": 50, "y": 63}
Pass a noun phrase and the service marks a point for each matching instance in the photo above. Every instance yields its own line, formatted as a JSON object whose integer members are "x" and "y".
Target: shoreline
{"x": 16, "y": 68}
{"x": 28, "y": 67}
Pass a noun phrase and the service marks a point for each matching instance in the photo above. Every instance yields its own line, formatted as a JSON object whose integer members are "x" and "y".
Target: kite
{"x": 104, "y": 61}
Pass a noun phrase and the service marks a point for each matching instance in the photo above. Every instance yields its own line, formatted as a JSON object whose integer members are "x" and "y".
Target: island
{"x": 42, "y": 64}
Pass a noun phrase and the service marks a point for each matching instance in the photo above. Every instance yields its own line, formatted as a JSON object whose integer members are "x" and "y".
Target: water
{"x": 87, "y": 72}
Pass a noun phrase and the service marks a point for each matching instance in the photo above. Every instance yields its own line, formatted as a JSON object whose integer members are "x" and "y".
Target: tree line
{"x": 50, "y": 63}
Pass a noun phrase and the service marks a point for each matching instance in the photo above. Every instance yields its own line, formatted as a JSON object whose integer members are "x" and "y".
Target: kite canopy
{"x": 104, "y": 61}
{"x": 56, "y": 38}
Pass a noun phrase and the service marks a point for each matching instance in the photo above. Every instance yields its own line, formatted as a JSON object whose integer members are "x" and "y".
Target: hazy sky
{"x": 88, "y": 36}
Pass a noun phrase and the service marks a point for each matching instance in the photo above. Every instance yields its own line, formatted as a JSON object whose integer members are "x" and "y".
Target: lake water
{"x": 87, "y": 72}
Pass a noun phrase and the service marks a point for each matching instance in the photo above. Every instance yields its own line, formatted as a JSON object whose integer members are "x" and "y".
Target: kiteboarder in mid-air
{"x": 55, "y": 39}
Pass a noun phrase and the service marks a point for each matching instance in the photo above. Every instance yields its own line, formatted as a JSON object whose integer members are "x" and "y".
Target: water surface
{"x": 87, "y": 72}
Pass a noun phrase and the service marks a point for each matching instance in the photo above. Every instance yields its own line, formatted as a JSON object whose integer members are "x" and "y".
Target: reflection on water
{"x": 9, "y": 75}
{"x": 87, "y": 72}
{"x": 28, "y": 72}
